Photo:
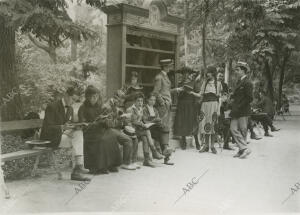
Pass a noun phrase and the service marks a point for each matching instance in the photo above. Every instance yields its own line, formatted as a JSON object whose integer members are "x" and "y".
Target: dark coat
{"x": 266, "y": 105}
{"x": 88, "y": 113}
{"x": 101, "y": 149}
{"x": 55, "y": 117}
{"x": 242, "y": 97}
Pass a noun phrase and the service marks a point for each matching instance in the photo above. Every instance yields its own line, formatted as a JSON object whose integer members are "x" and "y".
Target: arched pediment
{"x": 160, "y": 5}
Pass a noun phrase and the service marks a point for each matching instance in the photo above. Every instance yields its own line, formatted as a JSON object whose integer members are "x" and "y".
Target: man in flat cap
{"x": 162, "y": 88}
{"x": 241, "y": 109}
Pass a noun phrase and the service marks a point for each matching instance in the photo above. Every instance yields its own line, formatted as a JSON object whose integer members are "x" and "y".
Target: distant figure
{"x": 131, "y": 90}
{"x": 285, "y": 104}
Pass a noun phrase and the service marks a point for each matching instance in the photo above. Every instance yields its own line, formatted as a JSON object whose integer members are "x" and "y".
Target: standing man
{"x": 241, "y": 109}
{"x": 162, "y": 88}
{"x": 57, "y": 129}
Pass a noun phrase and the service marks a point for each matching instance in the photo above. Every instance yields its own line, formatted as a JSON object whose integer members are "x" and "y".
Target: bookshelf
{"x": 137, "y": 39}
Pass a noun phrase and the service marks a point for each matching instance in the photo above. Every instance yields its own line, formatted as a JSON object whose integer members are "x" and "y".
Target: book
{"x": 149, "y": 124}
{"x": 187, "y": 88}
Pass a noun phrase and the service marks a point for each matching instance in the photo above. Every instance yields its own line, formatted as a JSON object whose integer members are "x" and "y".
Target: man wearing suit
{"x": 162, "y": 88}
{"x": 241, "y": 109}
{"x": 57, "y": 129}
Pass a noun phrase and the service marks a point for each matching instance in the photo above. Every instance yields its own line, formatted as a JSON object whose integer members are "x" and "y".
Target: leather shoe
{"x": 268, "y": 135}
{"x": 204, "y": 149}
{"x": 213, "y": 150}
{"x": 166, "y": 161}
{"x": 78, "y": 177}
{"x": 113, "y": 169}
{"x": 238, "y": 154}
{"x": 227, "y": 147}
{"x": 274, "y": 129}
{"x": 245, "y": 153}
{"x": 254, "y": 137}
{"x": 148, "y": 163}
{"x": 103, "y": 171}
{"x": 157, "y": 155}
{"x": 94, "y": 172}
{"x": 128, "y": 167}
{"x": 198, "y": 146}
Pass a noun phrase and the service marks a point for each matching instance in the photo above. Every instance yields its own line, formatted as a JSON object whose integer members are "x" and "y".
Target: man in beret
{"x": 241, "y": 109}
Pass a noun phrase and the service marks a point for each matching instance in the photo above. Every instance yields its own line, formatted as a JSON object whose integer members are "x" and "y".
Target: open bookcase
{"x": 137, "y": 39}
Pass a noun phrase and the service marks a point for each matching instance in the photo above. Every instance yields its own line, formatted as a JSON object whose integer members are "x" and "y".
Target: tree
{"x": 45, "y": 21}
{"x": 12, "y": 107}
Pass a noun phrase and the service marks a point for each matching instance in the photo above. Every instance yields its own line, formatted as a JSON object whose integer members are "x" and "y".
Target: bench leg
{"x": 52, "y": 156}
{"x": 35, "y": 166}
{"x": 3, "y": 185}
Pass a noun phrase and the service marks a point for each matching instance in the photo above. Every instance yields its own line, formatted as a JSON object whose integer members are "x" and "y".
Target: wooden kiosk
{"x": 137, "y": 38}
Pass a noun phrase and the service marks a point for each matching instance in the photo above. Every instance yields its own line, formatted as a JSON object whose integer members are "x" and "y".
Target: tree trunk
{"x": 186, "y": 12}
{"x": 281, "y": 79}
{"x": 11, "y": 104}
{"x": 228, "y": 71}
{"x": 73, "y": 50}
{"x": 204, "y": 25}
{"x": 52, "y": 53}
{"x": 269, "y": 80}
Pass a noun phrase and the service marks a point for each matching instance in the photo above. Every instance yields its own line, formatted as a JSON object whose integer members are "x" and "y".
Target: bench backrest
{"x": 21, "y": 124}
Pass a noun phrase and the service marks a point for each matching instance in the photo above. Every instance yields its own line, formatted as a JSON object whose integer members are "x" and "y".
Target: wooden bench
{"x": 30, "y": 152}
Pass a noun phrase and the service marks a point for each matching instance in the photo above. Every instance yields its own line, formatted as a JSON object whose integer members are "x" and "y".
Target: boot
{"x": 227, "y": 147}
{"x": 155, "y": 153}
{"x": 82, "y": 170}
{"x": 273, "y": 128}
{"x": 76, "y": 176}
{"x": 213, "y": 150}
{"x": 183, "y": 143}
{"x": 254, "y": 137}
{"x": 166, "y": 161}
{"x": 197, "y": 142}
{"x": 147, "y": 161}
{"x": 267, "y": 134}
{"x": 204, "y": 148}
{"x": 157, "y": 147}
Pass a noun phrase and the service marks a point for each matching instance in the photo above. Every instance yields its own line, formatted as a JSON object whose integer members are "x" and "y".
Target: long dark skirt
{"x": 90, "y": 152}
{"x": 185, "y": 122}
{"x": 102, "y": 152}
{"x": 109, "y": 154}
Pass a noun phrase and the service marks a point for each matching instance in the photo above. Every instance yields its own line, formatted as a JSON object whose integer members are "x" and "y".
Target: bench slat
{"x": 21, "y": 124}
{"x": 22, "y": 154}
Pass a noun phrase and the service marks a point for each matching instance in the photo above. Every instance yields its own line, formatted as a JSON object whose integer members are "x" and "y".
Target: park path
{"x": 225, "y": 184}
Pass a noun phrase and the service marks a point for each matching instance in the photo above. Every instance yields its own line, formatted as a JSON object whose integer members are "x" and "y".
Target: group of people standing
{"x": 130, "y": 118}
{"x": 208, "y": 110}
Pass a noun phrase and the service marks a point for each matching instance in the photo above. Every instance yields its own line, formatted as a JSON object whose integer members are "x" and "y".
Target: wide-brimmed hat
{"x": 136, "y": 87}
{"x": 243, "y": 65}
{"x": 130, "y": 131}
{"x": 166, "y": 62}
